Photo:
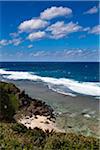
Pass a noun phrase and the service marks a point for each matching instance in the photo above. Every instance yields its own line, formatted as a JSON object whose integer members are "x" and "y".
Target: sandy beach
{"x": 41, "y": 122}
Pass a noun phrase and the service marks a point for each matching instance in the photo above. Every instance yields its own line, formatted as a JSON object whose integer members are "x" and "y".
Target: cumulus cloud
{"x": 15, "y": 41}
{"x": 32, "y": 24}
{"x": 30, "y": 46}
{"x": 95, "y": 30}
{"x": 60, "y": 29}
{"x": 36, "y": 35}
{"x": 4, "y": 42}
{"x": 54, "y": 11}
{"x": 92, "y": 10}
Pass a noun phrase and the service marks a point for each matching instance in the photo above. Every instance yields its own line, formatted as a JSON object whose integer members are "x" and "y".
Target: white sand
{"x": 41, "y": 122}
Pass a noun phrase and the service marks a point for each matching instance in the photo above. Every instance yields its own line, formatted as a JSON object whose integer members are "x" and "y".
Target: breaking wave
{"x": 61, "y": 85}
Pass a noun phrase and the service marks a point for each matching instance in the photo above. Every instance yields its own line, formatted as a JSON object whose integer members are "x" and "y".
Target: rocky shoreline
{"x": 28, "y": 109}
{"x": 28, "y": 123}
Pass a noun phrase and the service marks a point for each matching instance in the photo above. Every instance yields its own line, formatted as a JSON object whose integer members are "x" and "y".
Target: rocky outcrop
{"x": 15, "y": 102}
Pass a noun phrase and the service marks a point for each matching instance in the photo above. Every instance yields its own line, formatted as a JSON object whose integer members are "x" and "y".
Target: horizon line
{"x": 49, "y": 61}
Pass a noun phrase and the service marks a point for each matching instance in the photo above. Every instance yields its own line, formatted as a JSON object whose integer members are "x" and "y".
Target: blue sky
{"x": 49, "y": 31}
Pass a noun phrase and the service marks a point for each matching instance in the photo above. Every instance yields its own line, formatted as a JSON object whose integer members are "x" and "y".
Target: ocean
{"x": 69, "y": 78}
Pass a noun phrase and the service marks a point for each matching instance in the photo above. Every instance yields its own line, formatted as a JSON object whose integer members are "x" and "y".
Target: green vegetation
{"x": 16, "y": 102}
{"x": 8, "y": 103}
{"x": 14, "y": 136}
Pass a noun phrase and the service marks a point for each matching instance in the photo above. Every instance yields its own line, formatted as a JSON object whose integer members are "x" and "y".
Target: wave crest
{"x": 61, "y": 85}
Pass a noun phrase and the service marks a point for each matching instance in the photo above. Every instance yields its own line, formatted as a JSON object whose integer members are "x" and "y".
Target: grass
{"x": 15, "y": 136}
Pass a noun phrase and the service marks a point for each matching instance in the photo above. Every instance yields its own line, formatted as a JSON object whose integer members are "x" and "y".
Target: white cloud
{"x": 54, "y": 11}
{"x": 92, "y": 10}
{"x": 76, "y": 54}
{"x": 95, "y": 30}
{"x": 15, "y": 42}
{"x": 4, "y": 42}
{"x": 38, "y": 54}
{"x": 30, "y": 46}
{"x": 36, "y": 35}
{"x": 32, "y": 24}
{"x": 60, "y": 29}
{"x": 86, "y": 29}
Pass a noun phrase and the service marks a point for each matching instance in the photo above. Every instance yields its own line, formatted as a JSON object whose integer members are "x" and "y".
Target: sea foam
{"x": 56, "y": 84}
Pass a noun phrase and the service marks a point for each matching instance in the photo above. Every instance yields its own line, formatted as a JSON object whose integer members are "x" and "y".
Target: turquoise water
{"x": 80, "y": 71}
{"x": 63, "y": 77}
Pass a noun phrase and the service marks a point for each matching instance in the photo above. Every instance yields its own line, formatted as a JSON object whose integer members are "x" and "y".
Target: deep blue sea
{"x": 63, "y": 77}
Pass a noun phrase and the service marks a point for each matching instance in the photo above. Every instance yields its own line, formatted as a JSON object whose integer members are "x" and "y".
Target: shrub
{"x": 19, "y": 128}
{"x": 38, "y": 136}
